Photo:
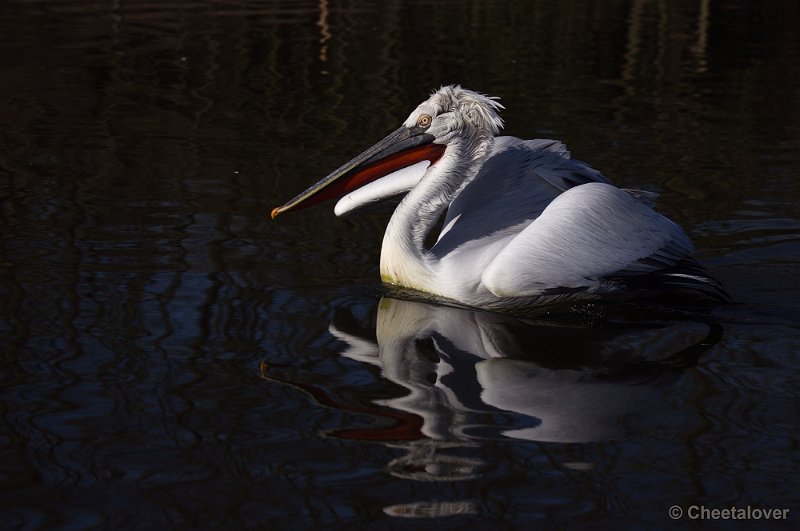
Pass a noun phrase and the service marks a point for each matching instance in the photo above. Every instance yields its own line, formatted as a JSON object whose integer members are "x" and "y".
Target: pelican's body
{"x": 522, "y": 220}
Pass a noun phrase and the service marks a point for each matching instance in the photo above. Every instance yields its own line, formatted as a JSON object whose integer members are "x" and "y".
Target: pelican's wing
{"x": 588, "y": 233}
{"x": 515, "y": 184}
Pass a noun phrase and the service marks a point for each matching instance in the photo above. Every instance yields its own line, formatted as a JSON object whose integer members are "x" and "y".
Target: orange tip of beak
{"x": 275, "y": 212}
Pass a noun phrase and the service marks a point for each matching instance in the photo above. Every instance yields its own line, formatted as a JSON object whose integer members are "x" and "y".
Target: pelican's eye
{"x": 424, "y": 121}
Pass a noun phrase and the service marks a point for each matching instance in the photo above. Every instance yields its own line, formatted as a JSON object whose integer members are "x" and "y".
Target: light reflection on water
{"x": 173, "y": 358}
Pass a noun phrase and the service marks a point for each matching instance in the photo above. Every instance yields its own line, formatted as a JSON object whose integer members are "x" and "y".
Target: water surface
{"x": 172, "y": 358}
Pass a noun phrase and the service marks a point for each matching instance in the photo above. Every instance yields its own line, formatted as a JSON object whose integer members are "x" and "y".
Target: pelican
{"x": 522, "y": 221}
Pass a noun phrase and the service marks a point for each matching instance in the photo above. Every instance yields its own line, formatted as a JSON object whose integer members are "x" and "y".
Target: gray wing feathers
{"x": 515, "y": 184}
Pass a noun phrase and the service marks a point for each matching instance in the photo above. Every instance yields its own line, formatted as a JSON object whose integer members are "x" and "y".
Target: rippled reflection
{"x": 568, "y": 381}
{"x": 469, "y": 376}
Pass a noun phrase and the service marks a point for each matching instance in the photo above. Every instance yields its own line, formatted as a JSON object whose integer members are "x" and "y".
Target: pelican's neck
{"x": 404, "y": 259}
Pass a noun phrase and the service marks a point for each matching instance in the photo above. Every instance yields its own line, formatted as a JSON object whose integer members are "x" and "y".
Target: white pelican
{"x": 523, "y": 221}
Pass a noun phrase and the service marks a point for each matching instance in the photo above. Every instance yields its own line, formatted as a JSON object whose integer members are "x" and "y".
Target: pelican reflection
{"x": 467, "y": 376}
{"x": 470, "y": 374}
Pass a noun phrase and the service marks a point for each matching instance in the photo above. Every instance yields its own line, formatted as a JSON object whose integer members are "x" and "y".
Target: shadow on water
{"x": 464, "y": 376}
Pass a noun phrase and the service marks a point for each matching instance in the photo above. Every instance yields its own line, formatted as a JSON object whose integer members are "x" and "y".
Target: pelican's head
{"x": 452, "y": 117}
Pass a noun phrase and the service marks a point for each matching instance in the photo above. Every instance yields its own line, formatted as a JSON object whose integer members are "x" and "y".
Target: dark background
{"x": 142, "y": 286}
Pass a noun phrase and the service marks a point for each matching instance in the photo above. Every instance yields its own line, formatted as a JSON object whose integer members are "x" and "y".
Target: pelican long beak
{"x": 402, "y": 148}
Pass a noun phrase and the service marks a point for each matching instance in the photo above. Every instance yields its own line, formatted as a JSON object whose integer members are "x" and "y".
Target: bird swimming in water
{"x": 523, "y": 221}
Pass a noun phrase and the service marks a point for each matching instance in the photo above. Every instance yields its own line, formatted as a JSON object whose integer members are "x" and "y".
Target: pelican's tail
{"x": 687, "y": 276}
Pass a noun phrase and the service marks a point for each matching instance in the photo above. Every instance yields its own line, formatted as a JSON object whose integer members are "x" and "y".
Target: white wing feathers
{"x": 589, "y": 232}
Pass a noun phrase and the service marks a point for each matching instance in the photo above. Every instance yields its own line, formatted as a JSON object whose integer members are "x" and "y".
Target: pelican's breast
{"x": 401, "y": 266}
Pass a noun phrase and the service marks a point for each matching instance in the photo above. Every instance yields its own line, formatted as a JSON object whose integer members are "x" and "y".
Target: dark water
{"x": 173, "y": 359}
